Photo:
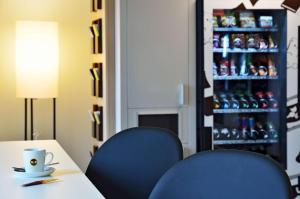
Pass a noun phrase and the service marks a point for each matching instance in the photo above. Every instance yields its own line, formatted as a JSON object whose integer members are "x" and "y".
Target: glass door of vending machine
{"x": 246, "y": 68}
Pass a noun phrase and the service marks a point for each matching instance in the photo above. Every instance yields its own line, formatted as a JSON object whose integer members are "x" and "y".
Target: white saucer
{"x": 48, "y": 171}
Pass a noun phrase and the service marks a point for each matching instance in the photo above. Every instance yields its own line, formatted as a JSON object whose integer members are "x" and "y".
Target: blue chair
{"x": 131, "y": 162}
{"x": 224, "y": 174}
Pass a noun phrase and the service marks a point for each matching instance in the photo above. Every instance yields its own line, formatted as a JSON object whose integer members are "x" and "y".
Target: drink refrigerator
{"x": 241, "y": 80}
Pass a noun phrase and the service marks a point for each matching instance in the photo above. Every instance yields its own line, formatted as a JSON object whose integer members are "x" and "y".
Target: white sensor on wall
{"x": 182, "y": 95}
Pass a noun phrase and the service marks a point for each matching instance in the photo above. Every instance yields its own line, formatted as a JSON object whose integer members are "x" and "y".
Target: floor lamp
{"x": 37, "y": 64}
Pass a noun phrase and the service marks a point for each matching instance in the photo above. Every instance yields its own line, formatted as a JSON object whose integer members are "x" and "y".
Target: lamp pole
{"x": 25, "y": 130}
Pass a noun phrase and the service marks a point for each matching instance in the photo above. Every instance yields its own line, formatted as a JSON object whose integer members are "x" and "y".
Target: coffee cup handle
{"x": 51, "y": 158}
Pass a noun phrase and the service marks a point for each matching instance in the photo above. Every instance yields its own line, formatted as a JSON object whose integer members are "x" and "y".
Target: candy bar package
{"x": 247, "y": 19}
{"x": 266, "y": 21}
{"x": 238, "y": 41}
{"x": 228, "y": 20}
{"x": 252, "y": 41}
{"x": 216, "y": 40}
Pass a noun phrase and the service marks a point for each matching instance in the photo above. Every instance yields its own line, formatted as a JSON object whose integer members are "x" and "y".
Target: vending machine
{"x": 241, "y": 79}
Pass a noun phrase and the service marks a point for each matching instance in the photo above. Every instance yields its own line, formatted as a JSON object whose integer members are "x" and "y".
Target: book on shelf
{"x": 91, "y": 115}
{"x": 96, "y": 72}
{"x": 97, "y": 117}
{"x": 95, "y": 148}
{"x": 92, "y": 5}
{"x": 92, "y": 73}
{"x": 99, "y": 4}
{"x": 96, "y": 30}
{"x": 92, "y": 31}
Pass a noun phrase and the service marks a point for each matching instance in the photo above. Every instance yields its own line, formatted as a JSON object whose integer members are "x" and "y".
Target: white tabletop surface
{"x": 73, "y": 183}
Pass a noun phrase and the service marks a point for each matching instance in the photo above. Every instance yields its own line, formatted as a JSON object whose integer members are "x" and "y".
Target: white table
{"x": 73, "y": 183}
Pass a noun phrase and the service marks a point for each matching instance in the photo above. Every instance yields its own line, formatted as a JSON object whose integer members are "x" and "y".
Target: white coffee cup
{"x": 34, "y": 159}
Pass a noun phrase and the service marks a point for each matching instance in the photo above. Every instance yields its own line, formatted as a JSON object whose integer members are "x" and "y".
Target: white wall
{"x": 73, "y": 125}
{"x": 157, "y": 42}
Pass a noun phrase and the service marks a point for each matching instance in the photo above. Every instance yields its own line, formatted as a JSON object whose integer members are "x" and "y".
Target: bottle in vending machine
{"x": 272, "y": 102}
{"x": 244, "y": 104}
{"x": 216, "y": 102}
{"x": 215, "y": 70}
{"x": 262, "y": 102}
{"x": 253, "y": 134}
{"x": 224, "y": 67}
{"x": 225, "y": 133}
{"x": 244, "y": 132}
{"x": 243, "y": 68}
{"x": 253, "y": 103}
{"x": 216, "y": 134}
{"x": 234, "y": 103}
{"x": 224, "y": 101}
{"x": 235, "y": 134}
{"x": 262, "y": 134}
{"x": 252, "y": 68}
{"x": 233, "y": 67}
{"x": 273, "y": 134}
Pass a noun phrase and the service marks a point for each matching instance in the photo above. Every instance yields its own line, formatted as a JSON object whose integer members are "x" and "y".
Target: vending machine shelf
{"x": 237, "y": 29}
{"x": 235, "y": 142}
{"x": 223, "y": 111}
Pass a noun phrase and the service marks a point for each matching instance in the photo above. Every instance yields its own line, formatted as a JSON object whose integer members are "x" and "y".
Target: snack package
{"x": 263, "y": 43}
{"x": 247, "y": 19}
{"x": 271, "y": 67}
{"x": 215, "y": 22}
{"x": 252, "y": 41}
{"x": 238, "y": 41}
{"x": 262, "y": 71}
{"x": 253, "y": 70}
{"x": 272, "y": 44}
{"x": 228, "y": 20}
{"x": 216, "y": 40}
{"x": 266, "y": 21}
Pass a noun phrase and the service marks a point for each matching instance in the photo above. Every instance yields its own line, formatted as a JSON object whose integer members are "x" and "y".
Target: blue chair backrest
{"x": 131, "y": 162}
{"x": 224, "y": 174}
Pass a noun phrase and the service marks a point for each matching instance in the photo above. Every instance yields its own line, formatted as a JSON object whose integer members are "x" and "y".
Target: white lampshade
{"x": 37, "y": 60}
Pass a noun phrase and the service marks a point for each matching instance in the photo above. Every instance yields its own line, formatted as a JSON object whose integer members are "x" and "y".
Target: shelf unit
{"x": 101, "y": 71}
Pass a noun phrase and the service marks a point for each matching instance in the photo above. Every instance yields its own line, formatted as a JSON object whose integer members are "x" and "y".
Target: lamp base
{"x": 32, "y": 119}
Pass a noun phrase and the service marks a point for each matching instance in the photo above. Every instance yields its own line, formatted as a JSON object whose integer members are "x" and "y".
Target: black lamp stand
{"x": 31, "y": 118}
